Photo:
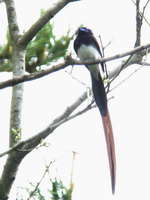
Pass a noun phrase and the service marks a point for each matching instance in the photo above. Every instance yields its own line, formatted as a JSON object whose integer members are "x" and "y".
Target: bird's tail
{"x": 101, "y": 101}
{"x": 110, "y": 148}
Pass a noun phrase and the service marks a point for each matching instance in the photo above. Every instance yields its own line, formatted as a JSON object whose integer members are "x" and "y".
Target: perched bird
{"x": 87, "y": 49}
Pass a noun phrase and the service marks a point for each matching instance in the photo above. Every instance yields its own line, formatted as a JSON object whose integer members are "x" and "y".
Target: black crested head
{"x": 85, "y": 36}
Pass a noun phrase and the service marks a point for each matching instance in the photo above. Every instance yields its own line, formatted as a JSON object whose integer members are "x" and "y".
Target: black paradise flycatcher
{"x": 87, "y": 49}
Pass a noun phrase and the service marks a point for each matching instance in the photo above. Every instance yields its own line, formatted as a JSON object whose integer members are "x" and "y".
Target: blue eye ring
{"x": 84, "y": 29}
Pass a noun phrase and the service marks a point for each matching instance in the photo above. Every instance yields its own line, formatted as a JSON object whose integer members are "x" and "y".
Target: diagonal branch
{"x": 144, "y": 8}
{"x": 40, "y": 181}
{"x": 51, "y": 12}
{"x": 28, "y": 145}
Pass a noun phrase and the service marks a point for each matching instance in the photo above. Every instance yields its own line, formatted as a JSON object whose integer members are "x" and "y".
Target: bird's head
{"x": 84, "y": 31}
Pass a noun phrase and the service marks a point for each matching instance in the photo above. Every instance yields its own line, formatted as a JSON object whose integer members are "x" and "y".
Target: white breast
{"x": 88, "y": 53}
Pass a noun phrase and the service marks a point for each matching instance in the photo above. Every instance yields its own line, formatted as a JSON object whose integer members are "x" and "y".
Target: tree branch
{"x": 71, "y": 61}
{"x": 29, "y": 144}
{"x": 40, "y": 181}
{"x": 139, "y": 19}
{"x": 142, "y": 14}
{"x": 50, "y": 13}
{"x": 144, "y": 8}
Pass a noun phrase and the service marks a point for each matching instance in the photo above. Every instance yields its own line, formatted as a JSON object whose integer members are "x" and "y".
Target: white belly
{"x": 89, "y": 53}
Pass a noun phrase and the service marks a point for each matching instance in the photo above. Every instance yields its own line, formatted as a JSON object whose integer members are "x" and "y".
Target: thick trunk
{"x": 18, "y": 62}
{"x": 9, "y": 173}
{"x": 14, "y": 159}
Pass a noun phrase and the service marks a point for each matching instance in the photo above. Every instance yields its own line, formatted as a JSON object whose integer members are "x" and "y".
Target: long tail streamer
{"x": 110, "y": 148}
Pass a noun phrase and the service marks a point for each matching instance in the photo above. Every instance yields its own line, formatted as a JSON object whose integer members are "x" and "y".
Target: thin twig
{"x": 125, "y": 79}
{"x": 122, "y": 67}
{"x": 78, "y": 80}
{"x": 38, "y": 184}
{"x": 145, "y": 6}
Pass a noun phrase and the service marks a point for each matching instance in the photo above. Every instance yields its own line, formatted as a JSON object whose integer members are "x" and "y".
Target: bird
{"x": 88, "y": 50}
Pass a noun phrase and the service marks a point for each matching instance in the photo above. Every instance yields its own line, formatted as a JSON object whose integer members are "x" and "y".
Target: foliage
{"x": 42, "y": 50}
{"x": 45, "y": 48}
{"x": 60, "y": 192}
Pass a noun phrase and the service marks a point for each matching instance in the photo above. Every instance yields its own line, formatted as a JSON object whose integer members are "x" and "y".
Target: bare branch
{"x": 28, "y": 145}
{"x": 71, "y": 61}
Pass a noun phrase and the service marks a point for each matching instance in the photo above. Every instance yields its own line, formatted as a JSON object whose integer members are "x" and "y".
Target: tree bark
{"x": 18, "y": 64}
